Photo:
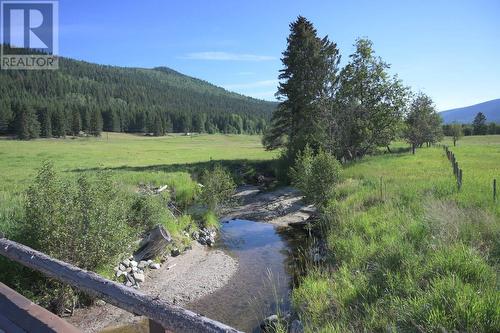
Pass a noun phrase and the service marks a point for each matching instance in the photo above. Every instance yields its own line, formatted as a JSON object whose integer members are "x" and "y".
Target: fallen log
{"x": 169, "y": 316}
{"x": 153, "y": 244}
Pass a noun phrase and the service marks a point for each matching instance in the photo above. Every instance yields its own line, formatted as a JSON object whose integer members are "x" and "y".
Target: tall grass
{"x": 410, "y": 252}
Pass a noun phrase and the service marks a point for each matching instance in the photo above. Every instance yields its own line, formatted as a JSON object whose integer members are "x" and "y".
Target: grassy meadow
{"x": 406, "y": 250}
{"x": 133, "y": 159}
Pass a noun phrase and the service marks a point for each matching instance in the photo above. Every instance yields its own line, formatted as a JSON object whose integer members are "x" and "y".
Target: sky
{"x": 448, "y": 49}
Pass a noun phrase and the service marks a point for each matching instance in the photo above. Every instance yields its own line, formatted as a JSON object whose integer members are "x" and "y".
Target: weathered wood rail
{"x": 170, "y": 317}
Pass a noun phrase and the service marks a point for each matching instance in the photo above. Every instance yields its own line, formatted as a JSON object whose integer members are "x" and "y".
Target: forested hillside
{"x": 87, "y": 97}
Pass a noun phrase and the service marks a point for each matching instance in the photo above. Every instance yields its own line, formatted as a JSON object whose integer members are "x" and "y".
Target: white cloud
{"x": 226, "y": 56}
{"x": 250, "y": 85}
{"x": 266, "y": 95}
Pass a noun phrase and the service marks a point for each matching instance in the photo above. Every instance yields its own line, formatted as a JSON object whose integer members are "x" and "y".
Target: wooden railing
{"x": 170, "y": 317}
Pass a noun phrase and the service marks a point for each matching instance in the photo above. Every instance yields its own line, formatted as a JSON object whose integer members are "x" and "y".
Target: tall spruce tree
{"x": 58, "y": 122}
{"x": 44, "y": 116}
{"x": 76, "y": 122}
{"x": 26, "y": 125}
{"x": 479, "y": 124}
{"x": 307, "y": 79}
{"x": 5, "y": 117}
{"x": 95, "y": 123}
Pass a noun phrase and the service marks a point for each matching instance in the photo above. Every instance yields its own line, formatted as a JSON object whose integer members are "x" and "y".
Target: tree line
{"x": 479, "y": 126}
{"x": 87, "y": 98}
{"x": 348, "y": 111}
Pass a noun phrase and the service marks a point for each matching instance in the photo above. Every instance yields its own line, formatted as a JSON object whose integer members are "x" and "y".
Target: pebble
{"x": 154, "y": 265}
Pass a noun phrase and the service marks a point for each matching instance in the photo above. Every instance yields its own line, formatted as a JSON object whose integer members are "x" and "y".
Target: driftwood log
{"x": 169, "y": 316}
{"x": 153, "y": 244}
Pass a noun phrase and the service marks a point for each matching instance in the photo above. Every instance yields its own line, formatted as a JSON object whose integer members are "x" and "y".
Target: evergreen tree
{"x": 59, "y": 122}
{"x": 26, "y": 123}
{"x": 44, "y": 116}
{"x": 493, "y": 128}
{"x": 479, "y": 124}
{"x": 5, "y": 117}
{"x": 307, "y": 79}
{"x": 157, "y": 126}
{"x": 95, "y": 122}
{"x": 76, "y": 122}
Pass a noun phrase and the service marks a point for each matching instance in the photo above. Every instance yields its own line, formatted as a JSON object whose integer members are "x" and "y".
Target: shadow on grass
{"x": 240, "y": 168}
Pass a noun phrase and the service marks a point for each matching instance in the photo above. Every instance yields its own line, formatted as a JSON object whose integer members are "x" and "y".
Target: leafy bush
{"x": 147, "y": 211}
{"x": 83, "y": 222}
{"x": 316, "y": 175}
{"x": 218, "y": 187}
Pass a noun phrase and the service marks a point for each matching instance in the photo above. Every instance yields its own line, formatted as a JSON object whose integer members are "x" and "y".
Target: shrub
{"x": 218, "y": 187}
{"x": 316, "y": 175}
{"x": 147, "y": 211}
{"x": 83, "y": 222}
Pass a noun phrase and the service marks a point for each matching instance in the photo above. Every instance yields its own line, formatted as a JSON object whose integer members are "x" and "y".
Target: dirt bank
{"x": 282, "y": 207}
{"x": 180, "y": 280}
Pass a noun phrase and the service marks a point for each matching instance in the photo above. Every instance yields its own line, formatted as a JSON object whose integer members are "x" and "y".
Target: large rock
{"x": 154, "y": 265}
{"x": 270, "y": 323}
{"x": 142, "y": 264}
{"x": 139, "y": 277}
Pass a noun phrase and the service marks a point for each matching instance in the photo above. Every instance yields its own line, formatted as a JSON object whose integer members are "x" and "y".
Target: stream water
{"x": 262, "y": 284}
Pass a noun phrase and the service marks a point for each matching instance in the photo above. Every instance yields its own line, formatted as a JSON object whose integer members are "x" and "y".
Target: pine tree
{"x": 45, "y": 120}
{"x": 95, "y": 128}
{"x": 5, "y": 117}
{"x": 479, "y": 124}
{"x": 26, "y": 123}
{"x": 308, "y": 77}
{"x": 76, "y": 122}
{"x": 59, "y": 122}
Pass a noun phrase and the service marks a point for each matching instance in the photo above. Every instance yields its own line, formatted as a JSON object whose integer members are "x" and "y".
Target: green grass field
{"x": 133, "y": 159}
{"x": 407, "y": 251}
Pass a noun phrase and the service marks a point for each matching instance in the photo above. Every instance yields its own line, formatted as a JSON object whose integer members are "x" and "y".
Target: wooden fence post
{"x": 381, "y": 192}
{"x": 494, "y": 190}
{"x": 459, "y": 179}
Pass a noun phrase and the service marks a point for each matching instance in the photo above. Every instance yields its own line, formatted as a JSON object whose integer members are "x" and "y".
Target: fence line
{"x": 457, "y": 171}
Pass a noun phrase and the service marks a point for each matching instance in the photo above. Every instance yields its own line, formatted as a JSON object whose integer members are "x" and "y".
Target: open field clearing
{"x": 133, "y": 159}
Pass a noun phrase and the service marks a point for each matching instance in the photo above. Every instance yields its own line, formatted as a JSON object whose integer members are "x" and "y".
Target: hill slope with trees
{"x": 87, "y": 97}
{"x": 465, "y": 115}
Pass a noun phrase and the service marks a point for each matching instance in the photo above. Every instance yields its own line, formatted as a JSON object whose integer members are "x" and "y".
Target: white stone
{"x": 154, "y": 265}
{"x": 139, "y": 277}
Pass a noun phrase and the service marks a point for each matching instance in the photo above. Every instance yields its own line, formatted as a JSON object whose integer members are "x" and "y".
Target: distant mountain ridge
{"x": 465, "y": 115}
{"x": 160, "y": 100}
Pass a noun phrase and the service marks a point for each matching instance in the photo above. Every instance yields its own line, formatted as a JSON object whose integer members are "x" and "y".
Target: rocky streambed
{"x": 246, "y": 276}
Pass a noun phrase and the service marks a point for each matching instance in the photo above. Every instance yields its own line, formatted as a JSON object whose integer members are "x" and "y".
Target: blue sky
{"x": 449, "y": 49}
